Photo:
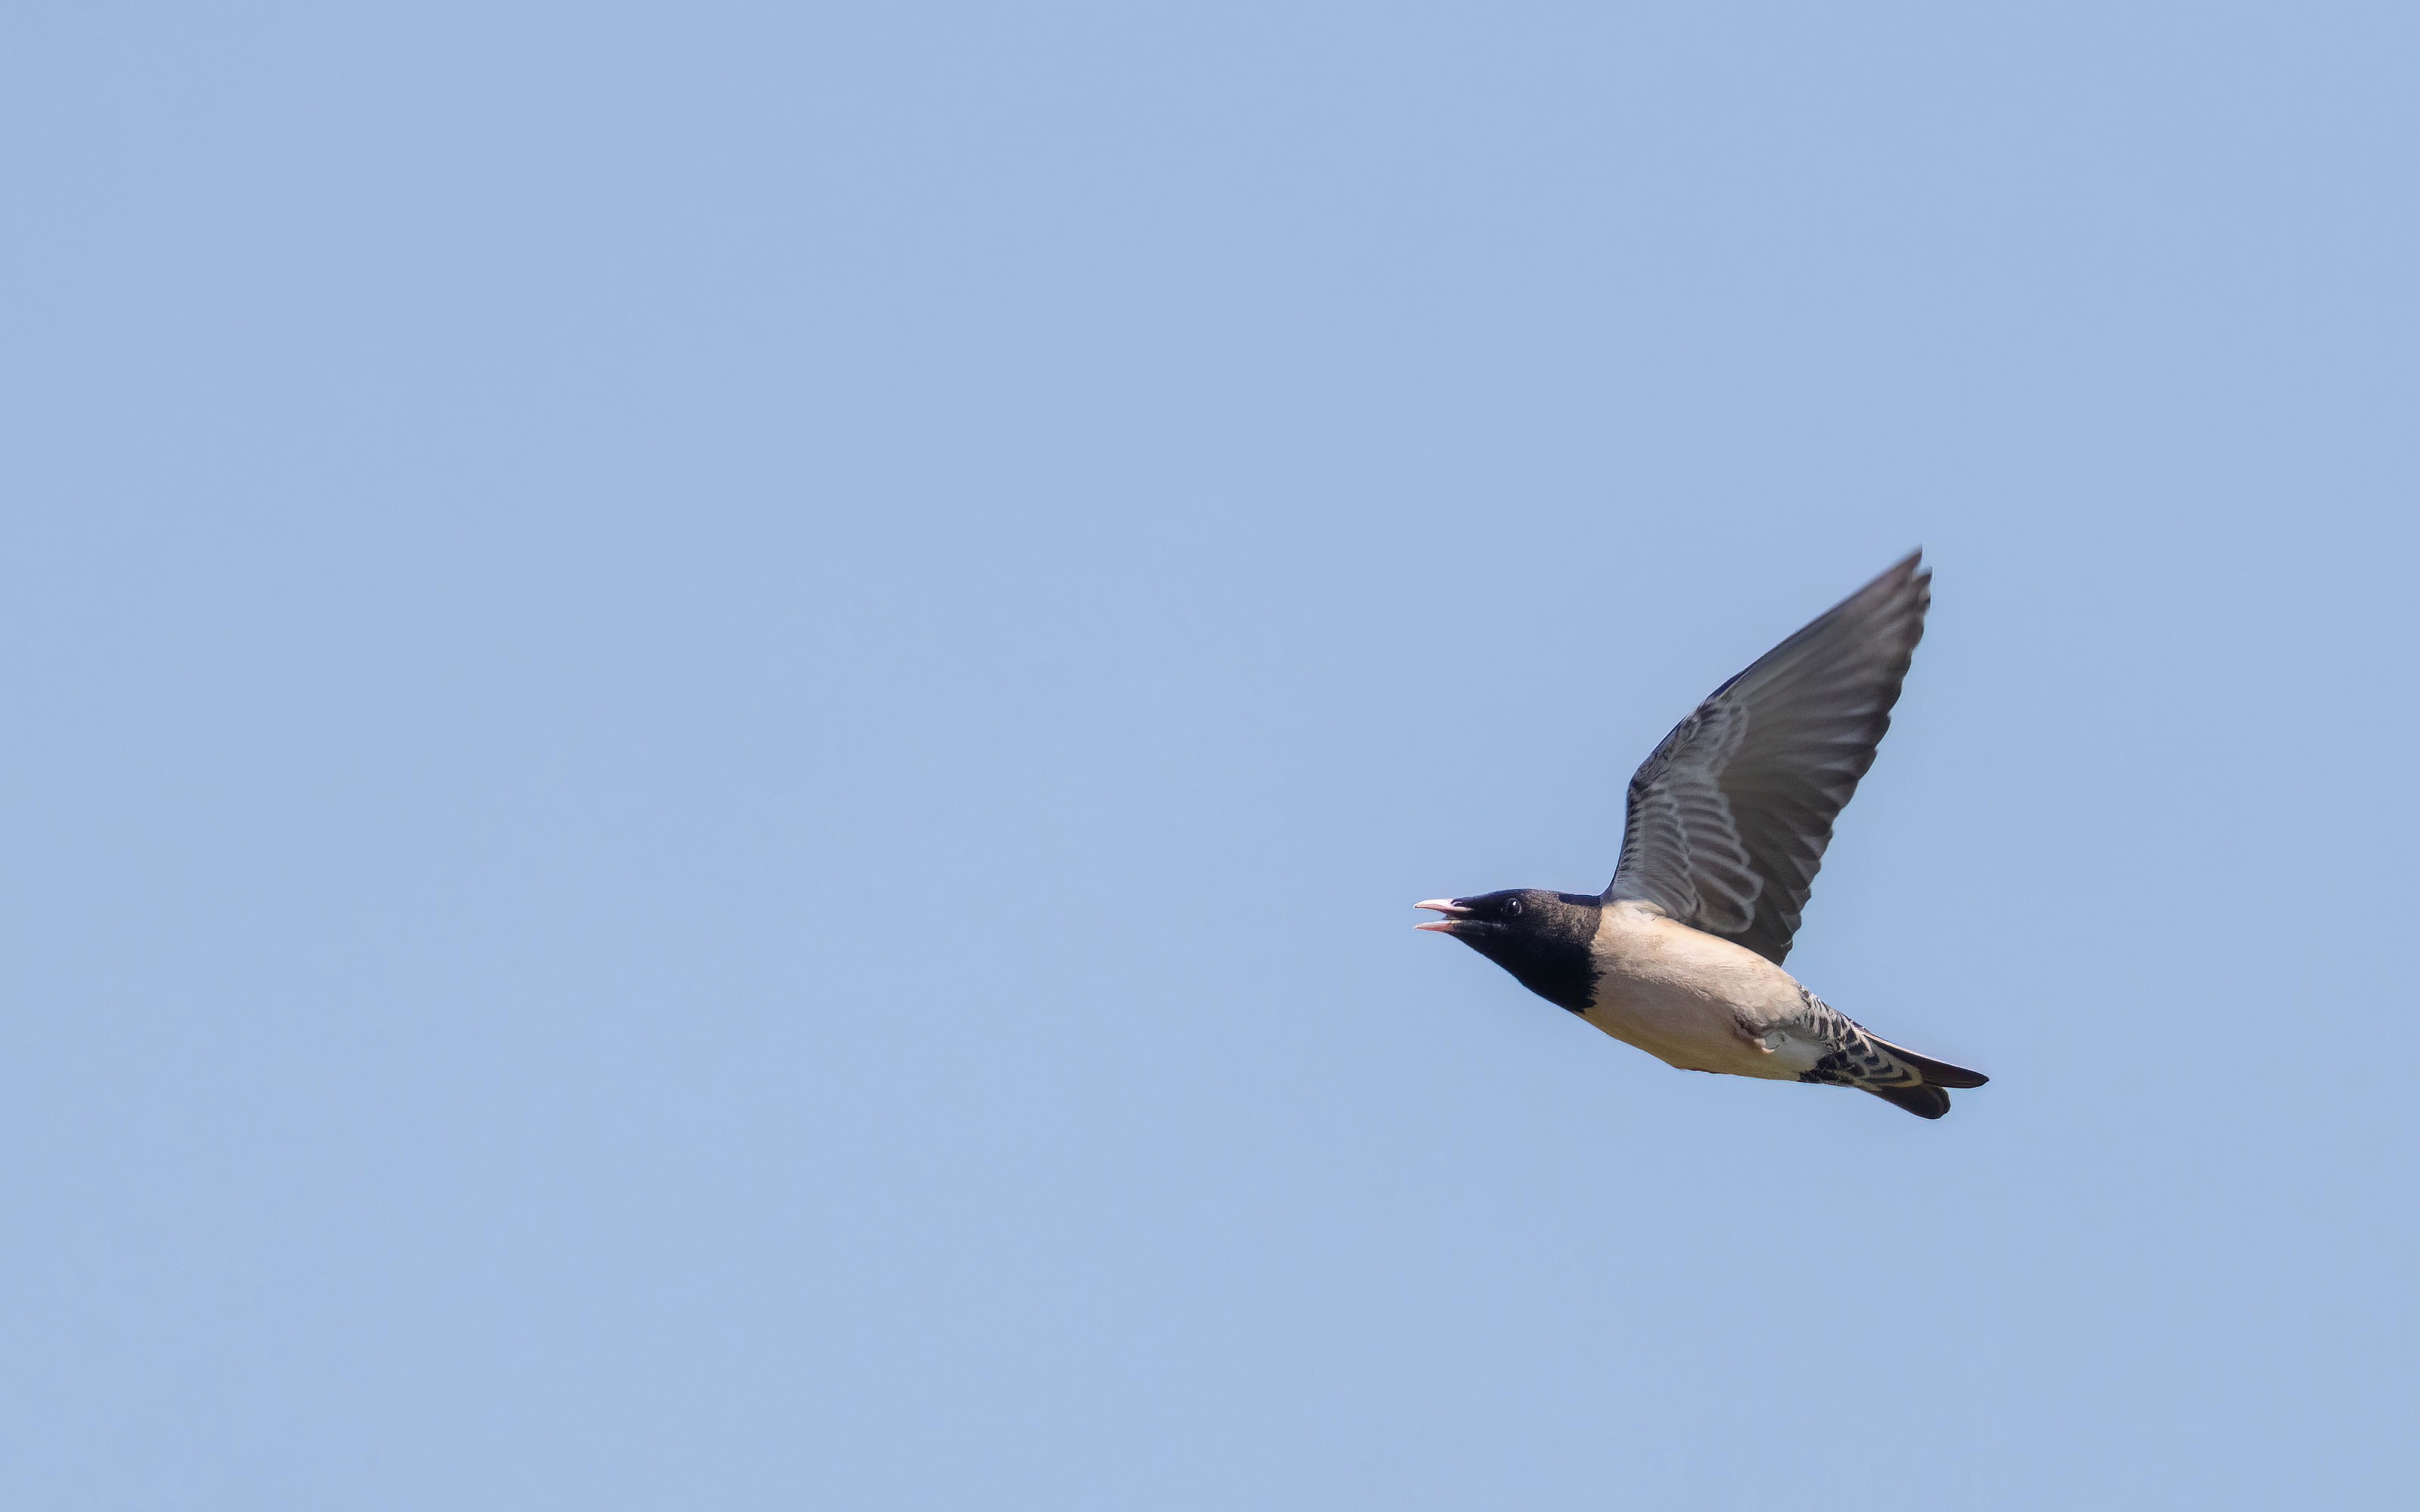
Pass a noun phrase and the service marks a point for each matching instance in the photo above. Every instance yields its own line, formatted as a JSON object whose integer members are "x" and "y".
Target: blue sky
{"x": 721, "y": 719}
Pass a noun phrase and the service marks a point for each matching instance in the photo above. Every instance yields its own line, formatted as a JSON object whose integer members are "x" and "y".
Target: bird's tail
{"x": 1936, "y": 1072}
{"x": 1856, "y": 1057}
{"x": 1926, "y": 1099}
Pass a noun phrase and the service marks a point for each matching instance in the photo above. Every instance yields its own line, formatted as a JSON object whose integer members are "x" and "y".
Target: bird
{"x": 1727, "y": 823}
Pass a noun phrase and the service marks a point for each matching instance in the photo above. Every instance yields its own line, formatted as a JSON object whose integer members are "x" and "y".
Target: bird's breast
{"x": 1685, "y": 997}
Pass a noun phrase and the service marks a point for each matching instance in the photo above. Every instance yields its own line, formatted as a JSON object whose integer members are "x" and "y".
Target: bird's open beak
{"x": 1444, "y": 905}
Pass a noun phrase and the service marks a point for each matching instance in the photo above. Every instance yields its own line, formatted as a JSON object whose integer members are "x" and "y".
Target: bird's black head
{"x": 1541, "y": 937}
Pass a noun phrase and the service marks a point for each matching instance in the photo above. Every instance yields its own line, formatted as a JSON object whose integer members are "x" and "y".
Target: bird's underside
{"x": 1728, "y": 820}
{"x": 1702, "y": 1003}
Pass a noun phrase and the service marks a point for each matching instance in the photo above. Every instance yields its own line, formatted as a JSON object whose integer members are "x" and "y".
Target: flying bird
{"x": 1728, "y": 822}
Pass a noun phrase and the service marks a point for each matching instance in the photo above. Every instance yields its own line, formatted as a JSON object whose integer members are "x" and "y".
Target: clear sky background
{"x": 719, "y": 719}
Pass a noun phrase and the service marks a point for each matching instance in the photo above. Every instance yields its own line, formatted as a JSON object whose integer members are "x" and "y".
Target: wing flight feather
{"x": 1728, "y": 819}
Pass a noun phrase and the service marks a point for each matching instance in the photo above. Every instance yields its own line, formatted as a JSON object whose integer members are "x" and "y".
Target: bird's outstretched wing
{"x": 1729, "y": 817}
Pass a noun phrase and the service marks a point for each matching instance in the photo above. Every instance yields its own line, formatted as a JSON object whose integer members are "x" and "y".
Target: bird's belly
{"x": 1690, "y": 1000}
{"x": 1683, "y": 1028}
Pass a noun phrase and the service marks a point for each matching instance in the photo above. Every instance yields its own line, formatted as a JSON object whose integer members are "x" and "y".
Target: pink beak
{"x": 1446, "y": 906}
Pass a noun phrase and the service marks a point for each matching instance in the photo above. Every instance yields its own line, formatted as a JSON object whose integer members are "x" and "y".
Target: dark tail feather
{"x": 1924, "y": 1102}
{"x": 1936, "y": 1072}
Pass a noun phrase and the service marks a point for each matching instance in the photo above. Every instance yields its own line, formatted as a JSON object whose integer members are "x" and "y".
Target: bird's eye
{"x": 1511, "y": 906}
